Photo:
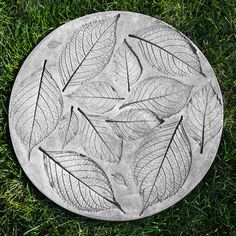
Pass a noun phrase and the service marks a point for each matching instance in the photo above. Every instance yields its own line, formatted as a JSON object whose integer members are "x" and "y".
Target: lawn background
{"x": 210, "y": 208}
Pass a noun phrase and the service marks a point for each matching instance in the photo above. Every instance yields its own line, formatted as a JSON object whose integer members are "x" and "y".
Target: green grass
{"x": 210, "y": 208}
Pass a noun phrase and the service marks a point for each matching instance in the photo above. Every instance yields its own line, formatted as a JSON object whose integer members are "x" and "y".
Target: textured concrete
{"x": 116, "y": 116}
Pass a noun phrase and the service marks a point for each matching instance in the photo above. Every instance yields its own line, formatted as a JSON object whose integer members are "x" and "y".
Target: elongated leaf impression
{"x": 79, "y": 181}
{"x": 163, "y": 163}
{"x": 128, "y": 68}
{"x": 98, "y": 97}
{"x": 162, "y": 95}
{"x": 88, "y": 51}
{"x": 205, "y": 115}
{"x": 134, "y": 123}
{"x": 98, "y": 138}
{"x": 168, "y": 51}
{"x": 36, "y": 108}
{"x": 69, "y": 127}
{"x": 119, "y": 179}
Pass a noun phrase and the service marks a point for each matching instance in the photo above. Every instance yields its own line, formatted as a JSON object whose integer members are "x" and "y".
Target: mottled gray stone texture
{"x": 116, "y": 116}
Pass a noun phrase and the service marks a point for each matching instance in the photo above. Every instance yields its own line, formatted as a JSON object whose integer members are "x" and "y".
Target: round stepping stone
{"x": 116, "y": 116}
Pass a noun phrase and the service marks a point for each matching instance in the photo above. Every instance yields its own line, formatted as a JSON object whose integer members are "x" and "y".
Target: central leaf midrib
{"x": 130, "y": 121}
{"x": 112, "y": 98}
{"x": 127, "y": 70}
{"x": 203, "y": 124}
{"x": 152, "y": 98}
{"x": 36, "y": 105}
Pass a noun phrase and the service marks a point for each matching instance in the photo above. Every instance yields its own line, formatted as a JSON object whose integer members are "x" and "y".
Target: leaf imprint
{"x": 36, "y": 108}
{"x": 88, "y": 190}
{"x": 69, "y": 127}
{"x": 88, "y": 51}
{"x": 98, "y": 138}
{"x": 162, "y": 163}
{"x": 205, "y": 115}
{"x": 128, "y": 68}
{"x": 168, "y": 51}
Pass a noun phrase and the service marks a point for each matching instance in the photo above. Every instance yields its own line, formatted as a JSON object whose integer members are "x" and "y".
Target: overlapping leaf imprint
{"x": 36, "y": 108}
{"x": 69, "y": 127}
{"x": 205, "y": 115}
{"x": 134, "y": 123}
{"x": 163, "y": 163}
{"x": 98, "y": 138}
{"x": 79, "y": 181}
{"x": 88, "y": 51}
{"x": 96, "y": 97}
{"x": 168, "y": 51}
{"x": 162, "y": 95}
{"x": 128, "y": 68}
